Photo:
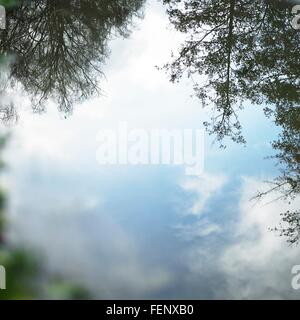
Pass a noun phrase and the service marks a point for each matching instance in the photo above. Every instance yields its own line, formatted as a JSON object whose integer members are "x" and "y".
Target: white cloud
{"x": 250, "y": 262}
{"x": 258, "y": 263}
{"x": 204, "y": 188}
{"x": 91, "y": 249}
{"x": 202, "y": 228}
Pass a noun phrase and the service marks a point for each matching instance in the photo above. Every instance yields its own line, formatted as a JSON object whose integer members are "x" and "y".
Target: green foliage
{"x": 60, "y": 289}
{"x": 9, "y": 3}
{"x": 25, "y": 279}
{"x": 21, "y": 271}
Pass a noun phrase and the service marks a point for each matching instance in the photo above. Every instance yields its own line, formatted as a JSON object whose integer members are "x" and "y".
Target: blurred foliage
{"x": 21, "y": 271}
{"x": 9, "y": 3}
{"x": 60, "y": 289}
{"x": 26, "y": 278}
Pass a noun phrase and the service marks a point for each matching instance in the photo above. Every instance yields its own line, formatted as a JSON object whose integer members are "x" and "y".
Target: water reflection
{"x": 58, "y": 47}
{"x": 113, "y": 228}
{"x": 239, "y": 52}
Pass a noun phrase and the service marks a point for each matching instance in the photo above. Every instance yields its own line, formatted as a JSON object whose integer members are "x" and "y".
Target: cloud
{"x": 245, "y": 260}
{"x": 204, "y": 188}
{"x": 202, "y": 228}
{"x": 90, "y": 248}
{"x": 258, "y": 263}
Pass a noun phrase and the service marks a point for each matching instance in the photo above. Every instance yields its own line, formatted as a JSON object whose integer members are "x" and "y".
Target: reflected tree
{"x": 288, "y": 182}
{"x": 239, "y": 51}
{"x": 57, "y": 47}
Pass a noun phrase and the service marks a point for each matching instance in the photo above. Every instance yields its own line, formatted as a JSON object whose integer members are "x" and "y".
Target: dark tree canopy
{"x": 58, "y": 46}
{"x": 242, "y": 52}
{"x": 237, "y": 51}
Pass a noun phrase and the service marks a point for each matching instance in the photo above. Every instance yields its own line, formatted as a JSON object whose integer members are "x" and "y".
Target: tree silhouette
{"x": 288, "y": 182}
{"x": 239, "y": 51}
{"x": 58, "y": 47}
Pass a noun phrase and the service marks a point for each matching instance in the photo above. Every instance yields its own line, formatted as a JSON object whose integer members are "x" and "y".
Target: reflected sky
{"x": 148, "y": 231}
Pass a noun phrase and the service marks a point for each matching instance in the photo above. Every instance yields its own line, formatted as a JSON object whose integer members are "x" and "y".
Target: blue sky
{"x": 147, "y": 231}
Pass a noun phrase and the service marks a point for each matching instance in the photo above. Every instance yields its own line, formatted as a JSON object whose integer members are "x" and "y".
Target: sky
{"x": 128, "y": 232}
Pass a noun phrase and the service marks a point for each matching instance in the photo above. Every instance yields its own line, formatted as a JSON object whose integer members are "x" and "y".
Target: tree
{"x": 288, "y": 182}
{"x": 237, "y": 51}
{"x": 58, "y": 47}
